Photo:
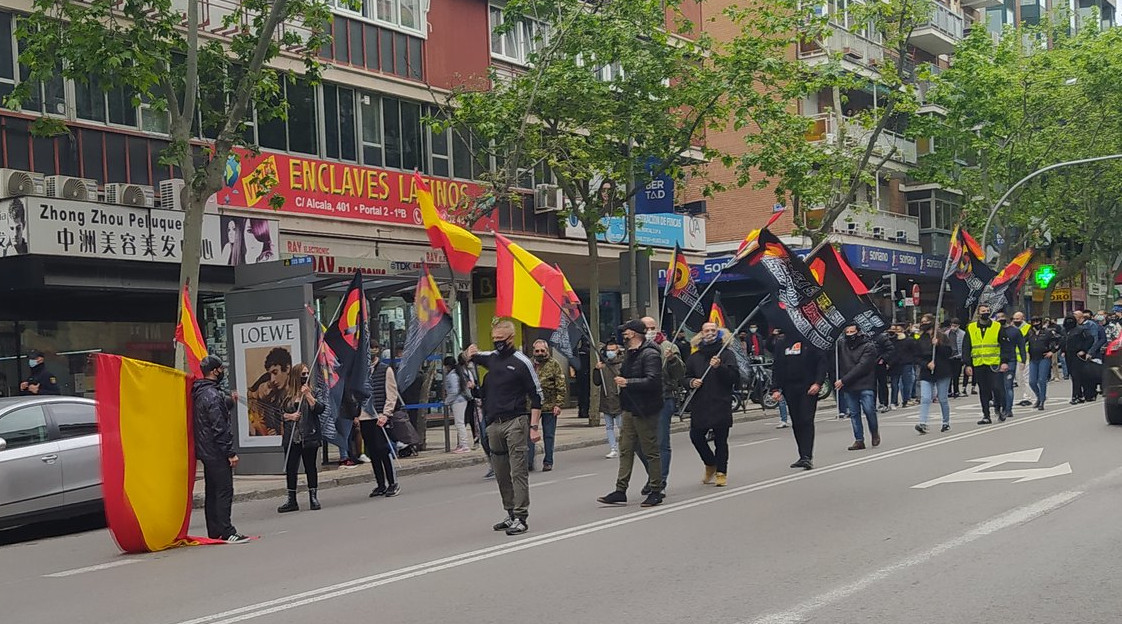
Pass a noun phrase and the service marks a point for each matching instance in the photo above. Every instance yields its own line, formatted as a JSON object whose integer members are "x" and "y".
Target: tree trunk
{"x": 593, "y": 310}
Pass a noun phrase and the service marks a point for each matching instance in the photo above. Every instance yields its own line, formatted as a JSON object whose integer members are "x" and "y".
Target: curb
{"x": 361, "y": 476}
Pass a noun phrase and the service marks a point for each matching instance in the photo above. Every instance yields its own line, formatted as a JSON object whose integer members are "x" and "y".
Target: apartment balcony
{"x": 923, "y": 91}
{"x": 982, "y": 4}
{"x": 941, "y": 33}
{"x": 858, "y": 54}
{"x": 869, "y": 223}
{"x": 898, "y": 148}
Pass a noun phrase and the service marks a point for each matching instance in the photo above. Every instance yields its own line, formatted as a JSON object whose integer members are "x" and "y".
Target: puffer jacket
{"x": 642, "y": 368}
{"x": 711, "y": 406}
{"x": 211, "y": 406}
{"x": 857, "y": 362}
{"x": 673, "y": 370}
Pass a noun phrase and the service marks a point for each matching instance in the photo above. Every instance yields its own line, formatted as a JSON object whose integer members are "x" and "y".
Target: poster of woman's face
{"x": 264, "y": 353}
{"x": 248, "y": 241}
{"x": 13, "y": 229}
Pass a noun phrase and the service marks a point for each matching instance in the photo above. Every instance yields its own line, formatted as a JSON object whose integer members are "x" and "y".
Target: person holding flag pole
{"x": 682, "y": 409}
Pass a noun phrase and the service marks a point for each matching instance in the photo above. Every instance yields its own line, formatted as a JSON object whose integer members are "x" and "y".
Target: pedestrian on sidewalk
{"x": 712, "y": 374}
{"x": 936, "y": 373}
{"x": 379, "y": 409}
{"x": 798, "y": 373}
{"x": 214, "y": 447}
{"x": 1042, "y": 343}
{"x": 301, "y": 437}
{"x": 607, "y": 369}
{"x": 857, "y": 362}
{"x": 555, "y": 392}
{"x": 512, "y": 404}
{"x": 456, "y": 396}
{"x": 640, "y": 395}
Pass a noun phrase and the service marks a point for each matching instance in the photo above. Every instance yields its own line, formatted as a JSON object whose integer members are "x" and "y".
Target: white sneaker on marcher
{"x": 782, "y": 425}
{"x": 612, "y": 454}
{"x": 363, "y": 459}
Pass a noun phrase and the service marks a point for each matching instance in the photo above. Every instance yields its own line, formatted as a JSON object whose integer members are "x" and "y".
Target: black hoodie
{"x": 857, "y": 361}
{"x": 213, "y": 438}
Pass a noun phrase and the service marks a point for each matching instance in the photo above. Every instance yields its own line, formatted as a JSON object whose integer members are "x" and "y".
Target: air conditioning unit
{"x": 901, "y": 236}
{"x": 129, "y": 195}
{"x": 1096, "y": 290}
{"x": 14, "y": 183}
{"x": 171, "y": 193}
{"x": 851, "y": 228}
{"x": 66, "y": 187}
{"x": 878, "y": 232}
{"x": 548, "y": 198}
{"x": 852, "y": 54}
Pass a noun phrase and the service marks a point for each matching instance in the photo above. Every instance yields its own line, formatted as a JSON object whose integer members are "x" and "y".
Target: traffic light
{"x": 1044, "y": 275}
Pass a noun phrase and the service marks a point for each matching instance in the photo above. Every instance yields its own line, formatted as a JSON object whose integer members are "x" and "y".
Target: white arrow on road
{"x": 1019, "y": 476}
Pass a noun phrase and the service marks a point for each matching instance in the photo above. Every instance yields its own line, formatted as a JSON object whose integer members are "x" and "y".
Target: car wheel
{"x": 1113, "y": 413}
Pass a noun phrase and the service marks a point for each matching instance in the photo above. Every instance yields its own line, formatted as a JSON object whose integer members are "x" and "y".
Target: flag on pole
{"x": 430, "y": 325}
{"x": 717, "y": 313}
{"x": 971, "y": 272}
{"x": 529, "y": 290}
{"x": 325, "y": 380}
{"x": 681, "y": 293}
{"x": 569, "y": 333}
{"x": 954, "y": 253}
{"x": 349, "y": 340}
{"x": 842, "y": 285}
{"x": 147, "y": 453}
{"x": 998, "y": 294}
{"x": 188, "y": 334}
{"x": 753, "y": 236}
{"x": 461, "y": 247}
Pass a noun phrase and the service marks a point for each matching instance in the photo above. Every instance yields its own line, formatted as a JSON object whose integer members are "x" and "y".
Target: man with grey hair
{"x": 554, "y": 393}
{"x": 512, "y": 406}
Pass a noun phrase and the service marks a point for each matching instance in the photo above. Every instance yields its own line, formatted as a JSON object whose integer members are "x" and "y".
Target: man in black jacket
{"x": 640, "y": 396}
{"x": 511, "y": 384}
{"x": 885, "y": 348}
{"x": 1012, "y": 348}
{"x": 857, "y": 359}
{"x": 214, "y": 447}
{"x": 712, "y": 373}
{"x": 1042, "y": 343}
{"x": 797, "y": 376}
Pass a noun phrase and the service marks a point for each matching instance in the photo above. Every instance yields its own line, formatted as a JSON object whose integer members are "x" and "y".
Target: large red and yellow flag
{"x": 461, "y": 247}
{"x": 717, "y": 312}
{"x": 147, "y": 453}
{"x": 187, "y": 333}
{"x": 529, "y": 290}
{"x": 1001, "y": 290}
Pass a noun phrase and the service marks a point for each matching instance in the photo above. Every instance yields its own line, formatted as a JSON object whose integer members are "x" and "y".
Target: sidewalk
{"x": 572, "y": 433}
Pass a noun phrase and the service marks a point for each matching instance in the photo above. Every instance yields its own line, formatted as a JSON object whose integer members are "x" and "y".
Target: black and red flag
{"x": 681, "y": 293}
{"x": 348, "y": 338}
{"x": 717, "y": 312}
{"x": 431, "y": 325}
{"x": 970, "y": 274}
{"x": 1002, "y": 289}
{"x": 845, "y": 288}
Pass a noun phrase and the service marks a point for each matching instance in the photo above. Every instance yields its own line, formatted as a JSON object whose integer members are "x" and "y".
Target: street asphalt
{"x": 852, "y": 541}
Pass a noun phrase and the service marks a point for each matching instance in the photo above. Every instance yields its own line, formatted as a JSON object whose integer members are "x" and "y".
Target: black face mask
{"x": 852, "y": 338}
{"x": 221, "y": 376}
{"x": 985, "y": 316}
{"x": 304, "y": 379}
{"x": 541, "y": 358}
{"x": 927, "y": 326}
{"x": 504, "y": 346}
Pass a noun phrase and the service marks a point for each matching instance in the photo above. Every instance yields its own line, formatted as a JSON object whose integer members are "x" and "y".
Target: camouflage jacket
{"x": 555, "y": 389}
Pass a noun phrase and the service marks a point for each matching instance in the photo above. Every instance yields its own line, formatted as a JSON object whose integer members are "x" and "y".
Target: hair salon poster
{"x": 264, "y": 353}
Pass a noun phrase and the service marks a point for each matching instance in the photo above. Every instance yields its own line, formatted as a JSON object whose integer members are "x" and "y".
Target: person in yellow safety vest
{"x": 1022, "y": 365}
{"x": 981, "y": 353}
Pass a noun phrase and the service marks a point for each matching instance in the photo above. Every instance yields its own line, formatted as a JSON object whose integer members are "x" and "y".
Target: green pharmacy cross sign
{"x": 1044, "y": 275}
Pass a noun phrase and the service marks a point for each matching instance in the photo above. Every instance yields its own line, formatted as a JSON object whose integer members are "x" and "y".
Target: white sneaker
{"x": 363, "y": 459}
{"x": 782, "y": 425}
{"x": 612, "y": 454}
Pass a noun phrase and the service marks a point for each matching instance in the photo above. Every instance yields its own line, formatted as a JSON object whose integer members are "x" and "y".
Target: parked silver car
{"x": 49, "y": 459}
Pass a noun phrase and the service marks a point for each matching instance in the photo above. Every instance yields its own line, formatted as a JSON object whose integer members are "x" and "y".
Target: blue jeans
{"x": 1063, "y": 366}
{"x": 1009, "y": 377}
{"x": 857, "y": 401}
{"x": 903, "y": 381}
{"x": 343, "y": 427}
{"x": 612, "y": 423}
{"x": 549, "y": 435}
{"x": 934, "y": 390}
{"x": 1040, "y": 372}
{"x": 783, "y": 409}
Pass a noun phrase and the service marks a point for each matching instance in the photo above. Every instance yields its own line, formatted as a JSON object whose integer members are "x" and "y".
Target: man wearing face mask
{"x": 510, "y": 383}
{"x": 214, "y": 448}
{"x": 981, "y": 352}
{"x": 607, "y": 369}
{"x": 1011, "y": 344}
{"x": 41, "y": 380}
{"x": 713, "y": 374}
{"x": 857, "y": 359}
{"x": 554, "y": 392}
{"x": 1022, "y": 364}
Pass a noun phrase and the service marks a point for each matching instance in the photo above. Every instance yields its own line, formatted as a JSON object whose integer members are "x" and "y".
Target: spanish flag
{"x": 529, "y": 290}
{"x": 461, "y": 247}
{"x": 187, "y": 333}
{"x": 147, "y": 453}
{"x": 717, "y": 313}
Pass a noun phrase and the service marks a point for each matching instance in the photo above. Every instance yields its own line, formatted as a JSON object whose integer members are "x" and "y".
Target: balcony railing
{"x": 867, "y": 222}
{"x": 852, "y": 47}
{"x": 947, "y": 21}
{"x": 897, "y": 147}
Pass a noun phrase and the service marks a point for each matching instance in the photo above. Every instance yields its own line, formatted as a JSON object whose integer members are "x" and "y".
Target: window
{"x": 74, "y": 419}
{"x": 405, "y": 14}
{"x": 440, "y": 150}
{"x": 7, "y": 56}
{"x": 339, "y": 118}
{"x": 24, "y": 427}
{"x": 298, "y": 132}
{"x": 519, "y": 42}
{"x": 371, "y": 111}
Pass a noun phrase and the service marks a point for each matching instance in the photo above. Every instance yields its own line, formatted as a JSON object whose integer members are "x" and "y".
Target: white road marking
{"x": 755, "y": 443}
{"x": 581, "y": 476}
{"x": 93, "y": 568}
{"x": 1019, "y": 516}
{"x": 982, "y": 472}
{"x": 312, "y": 596}
{"x": 543, "y": 483}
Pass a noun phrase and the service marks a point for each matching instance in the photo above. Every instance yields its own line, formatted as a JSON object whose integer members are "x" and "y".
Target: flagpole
{"x": 671, "y": 273}
{"x": 724, "y": 346}
{"x": 943, "y": 281}
{"x": 700, "y": 298}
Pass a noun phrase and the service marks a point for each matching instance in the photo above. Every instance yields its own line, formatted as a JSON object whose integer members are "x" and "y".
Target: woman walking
{"x": 301, "y": 437}
{"x": 935, "y": 374}
{"x": 457, "y": 392}
{"x": 607, "y": 369}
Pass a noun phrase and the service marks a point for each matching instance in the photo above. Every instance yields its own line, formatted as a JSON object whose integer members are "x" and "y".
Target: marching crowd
{"x": 637, "y": 378}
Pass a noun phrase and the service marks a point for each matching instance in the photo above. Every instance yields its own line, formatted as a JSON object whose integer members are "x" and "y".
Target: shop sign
{"x": 663, "y": 230}
{"x": 321, "y": 188}
{"x": 346, "y": 257}
{"x": 1059, "y": 294}
{"x": 264, "y": 353}
{"x": 78, "y": 229}
{"x": 893, "y": 260}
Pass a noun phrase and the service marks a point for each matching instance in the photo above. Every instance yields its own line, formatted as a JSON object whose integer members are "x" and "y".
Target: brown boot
{"x": 710, "y": 472}
{"x": 876, "y": 439}
{"x": 858, "y": 446}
